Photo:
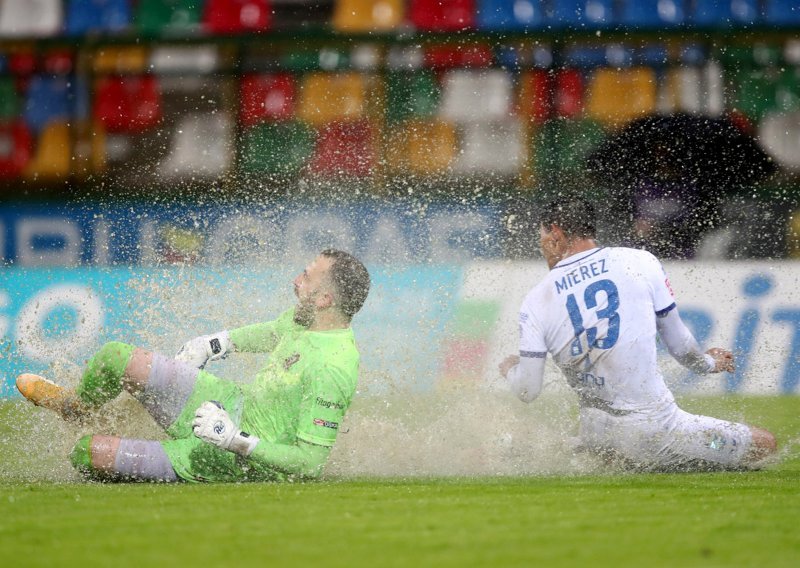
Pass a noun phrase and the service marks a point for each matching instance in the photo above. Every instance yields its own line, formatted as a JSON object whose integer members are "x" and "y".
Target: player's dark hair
{"x": 575, "y": 216}
{"x": 350, "y": 279}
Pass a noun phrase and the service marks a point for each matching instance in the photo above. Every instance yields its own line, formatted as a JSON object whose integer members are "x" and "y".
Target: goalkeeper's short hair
{"x": 350, "y": 279}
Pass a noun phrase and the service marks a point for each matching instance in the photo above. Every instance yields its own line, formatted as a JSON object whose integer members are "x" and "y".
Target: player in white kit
{"x": 597, "y": 313}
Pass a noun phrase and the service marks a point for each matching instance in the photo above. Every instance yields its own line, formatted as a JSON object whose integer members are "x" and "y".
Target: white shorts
{"x": 666, "y": 439}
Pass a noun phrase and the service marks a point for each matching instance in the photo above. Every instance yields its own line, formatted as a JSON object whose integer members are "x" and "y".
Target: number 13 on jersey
{"x": 608, "y": 312}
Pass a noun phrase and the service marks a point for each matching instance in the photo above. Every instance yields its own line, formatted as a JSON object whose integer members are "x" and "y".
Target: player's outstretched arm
{"x": 682, "y": 345}
{"x": 199, "y": 351}
{"x": 212, "y": 424}
{"x": 524, "y": 375}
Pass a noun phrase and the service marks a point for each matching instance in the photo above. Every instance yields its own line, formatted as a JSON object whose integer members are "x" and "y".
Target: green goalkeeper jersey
{"x": 295, "y": 405}
{"x": 305, "y": 387}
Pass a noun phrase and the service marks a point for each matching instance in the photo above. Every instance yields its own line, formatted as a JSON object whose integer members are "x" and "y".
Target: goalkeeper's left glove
{"x": 213, "y": 425}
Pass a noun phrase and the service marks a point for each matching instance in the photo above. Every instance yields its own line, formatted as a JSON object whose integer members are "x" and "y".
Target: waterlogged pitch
{"x": 603, "y": 518}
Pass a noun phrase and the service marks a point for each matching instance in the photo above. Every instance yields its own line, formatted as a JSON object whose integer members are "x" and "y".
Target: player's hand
{"x": 212, "y": 424}
{"x": 723, "y": 360}
{"x": 200, "y": 350}
{"x": 507, "y": 364}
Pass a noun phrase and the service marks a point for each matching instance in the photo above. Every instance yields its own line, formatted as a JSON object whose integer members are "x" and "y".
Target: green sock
{"x": 81, "y": 455}
{"x": 102, "y": 379}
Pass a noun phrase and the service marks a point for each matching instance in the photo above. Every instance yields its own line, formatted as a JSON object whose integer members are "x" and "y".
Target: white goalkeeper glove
{"x": 200, "y": 350}
{"x": 213, "y": 425}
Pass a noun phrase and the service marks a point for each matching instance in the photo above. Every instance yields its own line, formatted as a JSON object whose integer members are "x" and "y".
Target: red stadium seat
{"x": 128, "y": 104}
{"x": 16, "y": 148}
{"x": 266, "y": 98}
{"x": 344, "y": 149}
{"x": 442, "y": 15}
{"x": 568, "y": 99}
{"x": 444, "y": 56}
{"x": 236, "y": 16}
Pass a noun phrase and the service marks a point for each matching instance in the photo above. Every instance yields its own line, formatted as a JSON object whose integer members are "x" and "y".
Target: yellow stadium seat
{"x": 120, "y": 60}
{"x": 793, "y": 235}
{"x": 53, "y": 154}
{"x": 325, "y": 97}
{"x": 617, "y": 96}
{"x": 424, "y": 147}
{"x": 367, "y": 15}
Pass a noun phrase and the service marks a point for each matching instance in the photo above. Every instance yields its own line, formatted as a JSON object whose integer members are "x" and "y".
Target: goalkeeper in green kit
{"x": 282, "y": 425}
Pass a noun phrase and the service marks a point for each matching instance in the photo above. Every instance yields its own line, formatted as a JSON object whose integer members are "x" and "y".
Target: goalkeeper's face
{"x": 313, "y": 290}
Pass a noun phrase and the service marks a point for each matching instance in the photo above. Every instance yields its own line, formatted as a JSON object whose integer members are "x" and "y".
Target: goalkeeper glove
{"x": 213, "y": 425}
{"x": 200, "y": 350}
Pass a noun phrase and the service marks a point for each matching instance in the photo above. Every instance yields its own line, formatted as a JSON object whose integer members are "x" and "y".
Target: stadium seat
{"x": 469, "y": 96}
{"x": 127, "y": 104}
{"x": 718, "y": 13}
{"x": 780, "y": 134}
{"x": 236, "y": 16}
{"x": 446, "y": 56}
{"x": 9, "y": 99}
{"x": 442, "y": 15}
{"x": 155, "y": 17}
{"x": 568, "y": 98}
{"x": 755, "y": 91}
{"x": 195, "y": 59}
{"x": 47, "y": 100}
{"x": 344, "y": 149}
{"x": 581, "y": 14}
{"x": 53, "y": 155}
{"x": 16, "y": 147}
{"x": 782, "y": 13}
{"x": 616, "y": 96}
{"x": 265, "y": 98}
{"x": 120, "y": 60}
{"x": 696, "y": 90}
{"x": 367, "y": 15}
{"x": 535, "y": 95}
{"x": 510, "y": 15}
{"x": 201, "y": 146}
{"x": 325, "y": 97}
{"x": 276, "y": 148}
{"x": 96, "y": 16}
{"x": 411, "y": 95}
{"x": 421, "y": 147}
{"x": 30, "y": 18}
{"x": 651, "y": 14}
{"x": 491, "y": 148}
{"x": 561, "y": 146}
{"x": 787, "y": 91}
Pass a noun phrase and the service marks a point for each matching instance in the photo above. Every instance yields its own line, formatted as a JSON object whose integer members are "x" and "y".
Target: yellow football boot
{"x": 47, "y": 394}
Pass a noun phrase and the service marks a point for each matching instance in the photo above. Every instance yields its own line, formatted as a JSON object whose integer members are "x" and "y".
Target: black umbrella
{"x": 710, "y": 154}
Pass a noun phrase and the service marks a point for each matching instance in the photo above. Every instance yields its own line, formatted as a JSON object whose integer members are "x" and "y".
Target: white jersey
{"x": 595, "y": 313}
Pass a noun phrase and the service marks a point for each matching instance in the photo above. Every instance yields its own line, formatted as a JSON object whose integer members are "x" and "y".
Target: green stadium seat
{"x": 410, "y": 95}
{"x": 755, "y": 92}
{"x": 9, "y": 99}
{"x": 158, "y": 16}
{"x": 276, "y": 148}
{"x": 560, "y": 146}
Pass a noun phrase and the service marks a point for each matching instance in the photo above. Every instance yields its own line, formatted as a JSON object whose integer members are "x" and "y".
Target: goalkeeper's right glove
{"x": 200, "y": 350}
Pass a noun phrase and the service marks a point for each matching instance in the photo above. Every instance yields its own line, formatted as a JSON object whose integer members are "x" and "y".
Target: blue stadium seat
{"x": 651, "y": 14}
{"x": 47, "y": 101}
{"x": 782, "y": 12}
{"x": 585, "y": 56}
{"x": 92, "y": 16}
{"x": 577, "y": 14}
{"x": 716, "y": 13}
{"x": 510, "y": 15}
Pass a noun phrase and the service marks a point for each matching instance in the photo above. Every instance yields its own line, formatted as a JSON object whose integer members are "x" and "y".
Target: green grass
{"x": 710, "y": 519}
